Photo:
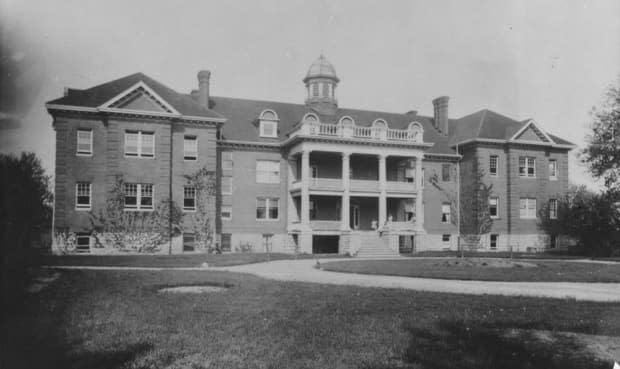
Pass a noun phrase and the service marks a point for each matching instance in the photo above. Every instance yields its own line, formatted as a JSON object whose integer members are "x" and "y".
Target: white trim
{"x": 188, "y": 209}
{"x": 139, "y": 154}
{"x": 90, "y": 197}
{"x": 261, "y": 117}
{"x": 379, "y": 120}
{"x": 346, "y": 117}
{"x": 496, "y": 198}
{"x": 267, "y": 208}
{"x": 553, "y": 177}
{"x": 263, "y": 123}
{"x": 527, "y": 207}
{"x": 139, "y": 197}
{"x": 77, "y": 139}
{"x": 136, "y": 112}
{"x": 185, "y": 138}
{"x": 309, "y": 115}
{"x": 163, "y": 102}
{"x": 496, "y": 174}
{"x": 231, "y": 185}
{"x": 524, "y": 128}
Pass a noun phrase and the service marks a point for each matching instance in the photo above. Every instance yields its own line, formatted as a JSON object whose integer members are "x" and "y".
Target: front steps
{"x": 374, "y": 247}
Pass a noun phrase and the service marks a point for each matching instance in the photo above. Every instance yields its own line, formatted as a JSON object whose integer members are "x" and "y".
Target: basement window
{"x": 82, "y": 243}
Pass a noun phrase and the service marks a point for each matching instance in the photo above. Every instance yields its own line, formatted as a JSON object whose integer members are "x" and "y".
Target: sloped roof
{"x": 100, "y": 94}
{"x": 243, "y": 125}
{"x": 321, "y": 68}
{"x": 487, "y": 124}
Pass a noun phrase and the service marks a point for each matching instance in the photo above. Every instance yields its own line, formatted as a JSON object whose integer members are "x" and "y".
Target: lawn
{"x": 483, "y": 269}
{"x": 170, "y": 261}
{"x": 117, "y": 319}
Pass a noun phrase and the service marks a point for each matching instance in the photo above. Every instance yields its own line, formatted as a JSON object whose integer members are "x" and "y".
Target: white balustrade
{"x": 373, "y": 133}
{"x": 364, "y": 185}
{"x": 326, "y": 183}
{"x": 400, "y": 186}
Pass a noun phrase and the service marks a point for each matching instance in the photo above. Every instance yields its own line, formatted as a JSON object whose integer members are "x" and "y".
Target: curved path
{"x": 304, "y": 271}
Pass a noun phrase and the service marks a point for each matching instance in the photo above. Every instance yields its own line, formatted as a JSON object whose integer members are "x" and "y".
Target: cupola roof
{"x": 321, "y": 68}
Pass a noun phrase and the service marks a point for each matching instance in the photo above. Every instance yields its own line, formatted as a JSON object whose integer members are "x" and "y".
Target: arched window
{"x": 269, "y": 115}
{"x": 268, "y": 123}
{"x": 379, "y": 123}
{"x": 310, "y": 118}
{"x": 416, "y": 132}
{"x": 346, "y": 121}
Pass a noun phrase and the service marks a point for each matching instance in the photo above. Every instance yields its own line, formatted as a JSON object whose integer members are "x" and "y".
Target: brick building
{"x": 311, "y": 177}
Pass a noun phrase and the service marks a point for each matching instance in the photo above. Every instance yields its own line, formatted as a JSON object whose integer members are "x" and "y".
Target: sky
{"x": 547, "y": 60}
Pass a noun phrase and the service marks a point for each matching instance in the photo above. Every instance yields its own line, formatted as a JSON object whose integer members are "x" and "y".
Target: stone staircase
{"x": 374, "y": 247}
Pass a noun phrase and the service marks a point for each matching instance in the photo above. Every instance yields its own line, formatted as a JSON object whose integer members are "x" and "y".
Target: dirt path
{"x": 304, "y": 271}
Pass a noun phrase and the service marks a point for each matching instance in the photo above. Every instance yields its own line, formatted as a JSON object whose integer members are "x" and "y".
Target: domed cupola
{"x": 321, "y": 81}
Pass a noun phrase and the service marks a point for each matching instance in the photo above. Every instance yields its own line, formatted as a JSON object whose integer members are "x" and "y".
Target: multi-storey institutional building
{"x": 311, "y": 177}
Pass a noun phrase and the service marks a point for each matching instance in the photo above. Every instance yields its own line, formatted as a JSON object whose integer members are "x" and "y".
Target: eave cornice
{"x": 513, "y": 143}
{"x": 134, "y": 114}
{"x": 356, "y": 141}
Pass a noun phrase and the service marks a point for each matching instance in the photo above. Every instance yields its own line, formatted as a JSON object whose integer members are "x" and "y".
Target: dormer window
{"x": 269, "y": 124}
{"x": 310, "y": 118}
{"x": 379, "y": 126}
{"x": 346, "y": 121}
{"x": 415, "y": 132}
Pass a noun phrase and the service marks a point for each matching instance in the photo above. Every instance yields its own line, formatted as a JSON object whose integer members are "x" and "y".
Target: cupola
{"x": 321, "y": 81}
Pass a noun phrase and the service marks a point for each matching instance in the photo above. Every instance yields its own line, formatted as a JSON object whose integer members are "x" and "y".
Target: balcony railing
{"x": 364, "y": 185}
{"x": 325, "y": 225}
{"x": 401, "y": 226}
{"x": 312, "y": 128}
{"x": 400, "y": 186}
{"x": 325, "y": 183}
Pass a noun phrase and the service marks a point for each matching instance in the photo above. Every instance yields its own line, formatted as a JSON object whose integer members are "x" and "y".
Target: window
{"x": 493, "y": 165}
{"x": 138, "y": 196}
{"x": 267, "y": 208}
{"x": 494, "y": 207}
{"x": 268, "y": 129}
{"x": 553, "y": 169}
{"x": 445, "y": 213}
{"x": 325, "y": 89}
{"x": 140, "y": 144}
{"x": 82, "y": 196}
{"x": 315, "y": 89}
{"x": 267, "y": 242}
{"x": 227, "y": 185}
{"x": 189, "y": 198}
{"x": 423, "y": 178}
{"x": 84, "y": 142}
{"x": 527, "y": 166}
{"x": 267, "y": 171}
{"x": 445, "y": 238}
{"x": 189, "y": 242}
{"x": 493, "y": 243}
{"x": 82, "y": 242}
{"x": 445, "y": 172}
{"x": 190, "y": 148}
{"x": 226, "y": 212}
{"x": 226, "y": 242}
{"x": 527, "y": 208}
{"x": 553, "y": 209}
{"x": 227, "y": 160}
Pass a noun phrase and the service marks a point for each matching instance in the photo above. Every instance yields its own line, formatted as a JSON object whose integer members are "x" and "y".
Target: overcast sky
{"x": 547, "y": 60}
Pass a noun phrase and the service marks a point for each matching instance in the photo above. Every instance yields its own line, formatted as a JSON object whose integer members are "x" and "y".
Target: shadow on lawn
{"x": 458, "y": 344}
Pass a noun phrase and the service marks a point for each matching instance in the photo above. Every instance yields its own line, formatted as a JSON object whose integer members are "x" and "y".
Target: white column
{"x": 291, "y": 212}
{"x": 382, "y": 194}
{"x": 344, "y": 211}
{"x": 305, "y": 192}
{"x": 419, "y": 208}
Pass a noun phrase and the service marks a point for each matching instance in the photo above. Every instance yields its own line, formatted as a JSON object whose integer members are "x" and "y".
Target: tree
{"x": 142, "y": 231}
{"x": 25, "y": 211}
{"x": 602, "y": 154}
{"x": 473, "y": 212}
{"x": 590, "y": 218}
{"x": 204, "y": 182}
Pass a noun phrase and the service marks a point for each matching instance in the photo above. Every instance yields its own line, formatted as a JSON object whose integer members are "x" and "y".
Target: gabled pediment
{"x": 139, "y": 97}
{"x": 531, "y": 132}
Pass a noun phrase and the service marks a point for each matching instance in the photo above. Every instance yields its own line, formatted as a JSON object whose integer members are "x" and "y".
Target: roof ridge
{"x": 302, "y": 105}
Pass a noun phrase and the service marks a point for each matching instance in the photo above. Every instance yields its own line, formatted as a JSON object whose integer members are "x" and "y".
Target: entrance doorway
{"x": 406, "y": 244}
{"x": 354, "y": 221}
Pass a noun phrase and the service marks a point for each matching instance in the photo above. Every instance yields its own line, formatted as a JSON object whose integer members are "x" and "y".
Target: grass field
{"x": 170, "y": 261}
{"x": 482, "y": 269}
{"x": 117, "y": 319}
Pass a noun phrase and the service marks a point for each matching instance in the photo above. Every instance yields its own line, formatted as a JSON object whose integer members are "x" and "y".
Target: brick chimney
{"x": 441, "y": 114}
{"x": 203, "y": 87}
